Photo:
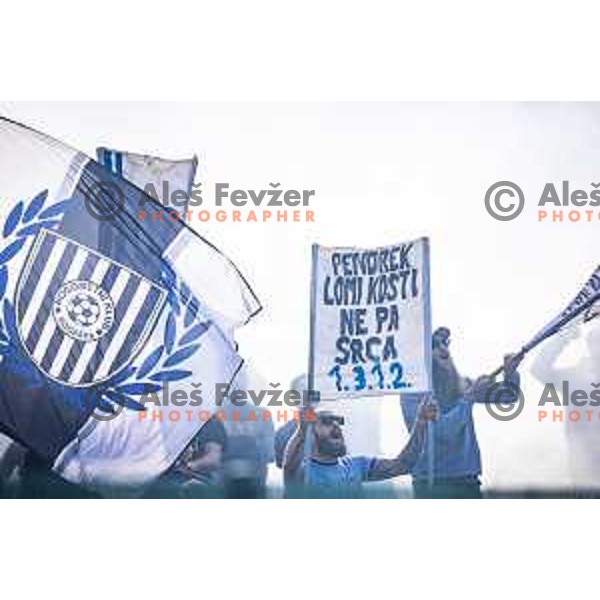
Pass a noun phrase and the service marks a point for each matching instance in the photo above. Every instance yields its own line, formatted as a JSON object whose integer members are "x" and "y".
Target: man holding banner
{"x": 370, "y": 336}
{"x": 330, "y": 468}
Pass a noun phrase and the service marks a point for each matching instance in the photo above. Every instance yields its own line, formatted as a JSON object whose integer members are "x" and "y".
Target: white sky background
{"x": 385, "y": 173}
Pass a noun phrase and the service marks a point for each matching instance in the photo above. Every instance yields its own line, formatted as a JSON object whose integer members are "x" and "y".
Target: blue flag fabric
{"x": 98, "y": 311}
{"x": 582, "y": 309}
{"x": 158, "y": 177}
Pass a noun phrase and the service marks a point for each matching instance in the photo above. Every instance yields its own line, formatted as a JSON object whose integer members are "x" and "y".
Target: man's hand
{"x": 511, "y": 363}
{"x": 293, "y": 453}
{"x": 427, "y": 411}
{"x": 306, "y": 415}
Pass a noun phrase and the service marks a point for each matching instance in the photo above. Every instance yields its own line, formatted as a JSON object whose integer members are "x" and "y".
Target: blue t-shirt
{"x": 455, "y": 441}
{"x": 456, "y": 450}
{"x": 346, "y": 472}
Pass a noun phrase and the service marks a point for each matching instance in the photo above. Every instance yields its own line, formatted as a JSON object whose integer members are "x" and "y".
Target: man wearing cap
{"x": 331, "y": 469}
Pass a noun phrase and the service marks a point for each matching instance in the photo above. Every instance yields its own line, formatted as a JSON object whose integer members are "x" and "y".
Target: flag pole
{"x": 428, "y": 362}
{"x": 520, "y": 355}
{"x": 308, "y": 440}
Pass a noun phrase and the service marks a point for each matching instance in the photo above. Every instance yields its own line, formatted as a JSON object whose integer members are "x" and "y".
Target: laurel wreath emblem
{"x": 23, "y": 222}
{"x": 181, "y": 340}
{"x": 181, "y": 337}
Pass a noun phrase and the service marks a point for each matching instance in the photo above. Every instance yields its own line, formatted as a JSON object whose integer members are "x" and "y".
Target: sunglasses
{"x": 331, "y": 419}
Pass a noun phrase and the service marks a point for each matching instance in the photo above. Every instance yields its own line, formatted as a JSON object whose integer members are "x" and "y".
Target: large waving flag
{"x": 99, "y": 309}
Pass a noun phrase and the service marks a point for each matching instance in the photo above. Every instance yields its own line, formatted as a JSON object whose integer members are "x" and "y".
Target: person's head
{"x": 440, "y": 341}
{"x": 328, "y": 435}
{"x": 447, "y": 383}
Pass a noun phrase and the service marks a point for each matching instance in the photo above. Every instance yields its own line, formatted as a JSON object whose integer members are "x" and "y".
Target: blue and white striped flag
{"x": 98, "y": 309}
{"x": 159, "y": 177}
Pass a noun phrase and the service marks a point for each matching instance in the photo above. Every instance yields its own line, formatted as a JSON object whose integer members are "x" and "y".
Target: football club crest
{"x": 81, "y": 316}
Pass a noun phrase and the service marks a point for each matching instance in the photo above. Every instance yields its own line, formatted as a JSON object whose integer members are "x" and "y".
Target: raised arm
{"x": 544, "y": 367}
{"x": 387, "y": 468}
{"x": 294, "y": 453}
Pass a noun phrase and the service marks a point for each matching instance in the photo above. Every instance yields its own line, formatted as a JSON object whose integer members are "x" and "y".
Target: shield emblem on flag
{"x": 81, "y": 316}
